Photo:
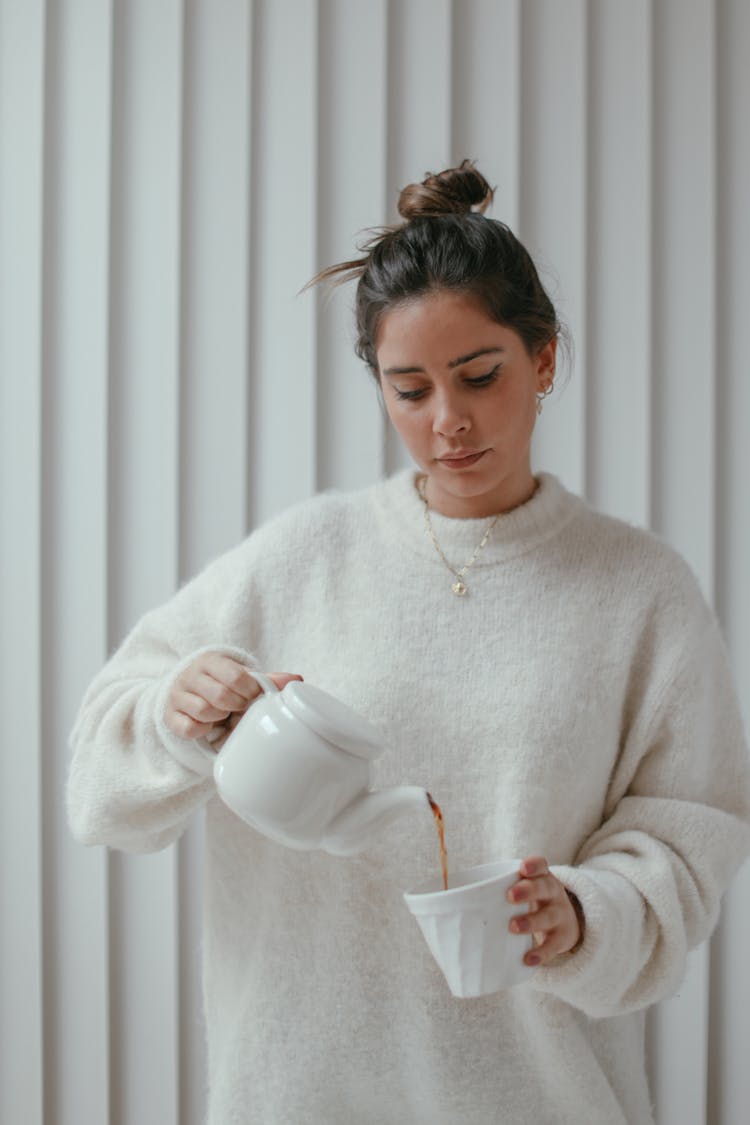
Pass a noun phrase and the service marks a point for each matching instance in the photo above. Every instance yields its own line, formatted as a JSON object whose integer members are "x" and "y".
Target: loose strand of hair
{"x": 338, "y": 274}
{"x": 342, "y": 272}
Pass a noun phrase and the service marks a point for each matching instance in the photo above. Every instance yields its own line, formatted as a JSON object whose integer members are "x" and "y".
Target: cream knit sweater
{"x": 576, "y": 704}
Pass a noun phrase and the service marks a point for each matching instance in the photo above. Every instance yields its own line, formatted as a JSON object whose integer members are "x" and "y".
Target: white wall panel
{"x": 213, "y": 392}
{"x": 683, "y": 450}
{"x": 486, "y": 108}
{"x": 283, "y": 240}
{"x": 351, "y": 198}
{"x": 419, "y": 92}
{"x": 683, "y": 447}
{"x": 554, "y": 200}
{"x": 215, "y": 260}
{"x": 21, "y": 231}
{"x": 618, "y": 279}
{"x": 74, "y": 540}
{"x": 171, "y": 174}
{"x": 729, "y": 1028}
{"x": 685, "y": 278}
{"x": 144, "y": 465}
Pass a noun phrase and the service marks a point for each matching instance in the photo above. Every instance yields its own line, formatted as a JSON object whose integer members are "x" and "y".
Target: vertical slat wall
{"x": 144, "y": 490}
{"x": 283, "y": 254}
{"x": 554, "y": 198}
{"x": 79, "y": 1010}
{"x": 683, "y": 447}
{"x": 618, "y": 294}
{"x": 171, "y": 174}
{"x": 683, "y": 488}
{"x": 21, "y": 331}
{"x": 350, "y": 427}
{"x": 729, "y": 1026}
{"x": 213, "y": 338}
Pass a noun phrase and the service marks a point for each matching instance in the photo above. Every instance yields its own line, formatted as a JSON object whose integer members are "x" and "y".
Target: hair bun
{"x": 456, "y": 191}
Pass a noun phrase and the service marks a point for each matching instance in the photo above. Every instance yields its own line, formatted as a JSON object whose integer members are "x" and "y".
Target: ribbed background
{"x": 171, "y": 173}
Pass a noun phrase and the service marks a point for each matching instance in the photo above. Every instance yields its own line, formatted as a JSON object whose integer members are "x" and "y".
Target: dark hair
{"x": 445, "y": 242}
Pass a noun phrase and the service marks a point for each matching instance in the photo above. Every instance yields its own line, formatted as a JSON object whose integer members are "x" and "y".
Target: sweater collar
{"x": 520, "y": 530}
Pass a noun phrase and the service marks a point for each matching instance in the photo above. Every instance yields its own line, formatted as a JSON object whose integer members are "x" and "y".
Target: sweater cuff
{"x": 195, "y": 754}
{"x": 595, "y": 976}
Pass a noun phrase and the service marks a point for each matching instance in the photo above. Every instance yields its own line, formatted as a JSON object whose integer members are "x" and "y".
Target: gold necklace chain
{"x": 459, "y": 587}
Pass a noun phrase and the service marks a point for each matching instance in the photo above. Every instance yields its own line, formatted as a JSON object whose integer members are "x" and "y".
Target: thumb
{"x": 281, "y": 679}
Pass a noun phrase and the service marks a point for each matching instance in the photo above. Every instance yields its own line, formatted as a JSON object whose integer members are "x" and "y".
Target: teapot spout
{"x": 360, "y": 823}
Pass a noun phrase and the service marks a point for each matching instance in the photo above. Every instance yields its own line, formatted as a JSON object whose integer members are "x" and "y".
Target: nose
{"x": 450, "y": 416}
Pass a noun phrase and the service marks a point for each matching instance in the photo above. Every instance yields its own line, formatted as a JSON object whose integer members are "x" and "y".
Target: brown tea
{"x": 437, "y": 813}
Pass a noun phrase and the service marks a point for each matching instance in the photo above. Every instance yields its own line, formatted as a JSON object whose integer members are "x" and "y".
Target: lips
{"x": 462, "y": 459}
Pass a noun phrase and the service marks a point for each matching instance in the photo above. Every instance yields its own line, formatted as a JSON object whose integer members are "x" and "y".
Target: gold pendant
{"x": 459, "y": 589}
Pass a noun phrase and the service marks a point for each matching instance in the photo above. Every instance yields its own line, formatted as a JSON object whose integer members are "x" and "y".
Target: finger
{"x": 240, "y": 680}
{"x": 220, "y": 732}
{"x": 197, "y": 708}
{"x": 549, "y": 946}
{"x": 231, "y": 674}
{"x": 554, "y": 932}
{"x": 184, "y": 726}
{"x": 538, "y": 921}
{"x": 231, "y": 718}
{"x": 541, "y": 889}
{"x": 217, "y": 693}
{"x": 281, "y": 679}
{"x": 533, "y": 866}
{"x": 218, "y": 737}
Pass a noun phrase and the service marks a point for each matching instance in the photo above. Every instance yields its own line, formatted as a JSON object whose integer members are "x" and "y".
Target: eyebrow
{"x": 452, "y": 363}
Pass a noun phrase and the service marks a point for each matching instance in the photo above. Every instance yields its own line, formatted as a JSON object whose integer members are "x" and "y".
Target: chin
{"x": 468, "y": 481}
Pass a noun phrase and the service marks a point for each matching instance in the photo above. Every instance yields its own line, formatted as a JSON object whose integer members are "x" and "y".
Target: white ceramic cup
{"x": 466, "y": 928}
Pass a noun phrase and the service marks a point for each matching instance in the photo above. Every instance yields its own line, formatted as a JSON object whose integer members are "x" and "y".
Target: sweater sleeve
{"x": 650, "y": 879}
{"x": 132, "y": 783}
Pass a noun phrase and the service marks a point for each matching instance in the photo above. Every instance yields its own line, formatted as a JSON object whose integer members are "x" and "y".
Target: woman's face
{"x": 461, "y": 392}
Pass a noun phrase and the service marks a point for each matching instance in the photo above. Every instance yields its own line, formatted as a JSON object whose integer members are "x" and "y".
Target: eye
{"x": 408, "y": 394}
{"x": 478, "y": 381}
{"x": 485, "y": 380}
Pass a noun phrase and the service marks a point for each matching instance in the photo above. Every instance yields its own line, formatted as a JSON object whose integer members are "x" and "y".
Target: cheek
{"x": 518, "y": 410}
{"x": 408, "y": 423}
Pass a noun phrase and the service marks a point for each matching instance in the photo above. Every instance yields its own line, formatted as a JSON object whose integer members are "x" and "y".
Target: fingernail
{"x": 532, "y": 959}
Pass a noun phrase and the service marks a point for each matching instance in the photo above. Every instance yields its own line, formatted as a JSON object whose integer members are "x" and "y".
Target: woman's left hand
{"x": 553, "y": 920}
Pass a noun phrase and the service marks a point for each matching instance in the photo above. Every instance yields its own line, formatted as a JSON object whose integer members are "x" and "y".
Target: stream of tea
{"x": 437, "y": 813}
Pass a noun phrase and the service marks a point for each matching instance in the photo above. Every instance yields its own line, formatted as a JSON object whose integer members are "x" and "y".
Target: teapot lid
{"x": 333, "y": 720}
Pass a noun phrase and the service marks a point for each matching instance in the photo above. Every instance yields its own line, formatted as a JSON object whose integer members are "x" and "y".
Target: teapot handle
{"x": 202, "y": 758}
{"x": 269, "y": 687}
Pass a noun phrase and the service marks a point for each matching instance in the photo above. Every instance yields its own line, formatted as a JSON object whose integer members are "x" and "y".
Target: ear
{"x": 546, "y": 359}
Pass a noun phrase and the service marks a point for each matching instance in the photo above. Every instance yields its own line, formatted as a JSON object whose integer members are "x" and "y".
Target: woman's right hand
{"x": 211, "y": 695}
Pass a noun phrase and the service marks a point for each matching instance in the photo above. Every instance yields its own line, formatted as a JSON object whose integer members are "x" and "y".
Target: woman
{"x": 552, "y": 675}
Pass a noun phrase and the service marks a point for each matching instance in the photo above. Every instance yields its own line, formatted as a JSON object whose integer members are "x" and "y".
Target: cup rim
{"x": 426, "y": 892}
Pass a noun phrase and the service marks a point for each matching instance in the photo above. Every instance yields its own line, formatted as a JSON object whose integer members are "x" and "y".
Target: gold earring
{"x": 540, "y": 398}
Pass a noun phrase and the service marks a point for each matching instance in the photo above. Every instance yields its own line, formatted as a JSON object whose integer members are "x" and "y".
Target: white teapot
{"x": 297, "y": 768}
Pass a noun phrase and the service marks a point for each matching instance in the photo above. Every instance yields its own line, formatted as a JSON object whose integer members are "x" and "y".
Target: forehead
{"x": 437, "y": 328}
